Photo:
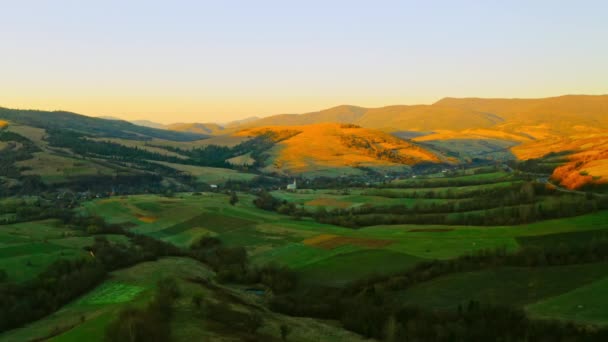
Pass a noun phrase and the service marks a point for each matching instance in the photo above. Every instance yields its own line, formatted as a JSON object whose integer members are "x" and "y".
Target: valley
{"x": 322, "y": 226}
{"x": 335, "y": 258}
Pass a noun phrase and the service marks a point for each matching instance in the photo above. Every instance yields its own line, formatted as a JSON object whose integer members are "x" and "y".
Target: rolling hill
{"x": 351, "y": 137}
{"x": 198, "y": 128}
{"x": 496, "y": 128}
{"x": 323, "y": 147}
{"x": 561, "y": 114}
{"x": 91, "y": 126}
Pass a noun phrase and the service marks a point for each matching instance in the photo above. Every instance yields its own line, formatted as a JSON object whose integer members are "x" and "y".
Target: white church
{"x": 293, "y": 186}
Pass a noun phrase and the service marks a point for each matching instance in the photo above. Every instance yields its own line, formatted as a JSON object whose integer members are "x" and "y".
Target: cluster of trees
{"x": 266, "y": 201}
{"x": 22, "y": 210}
{"x": 63, "y": 281}
{"x": 496, "y": 213}
{"x": 148, "y": 324}
{"x": 374, "y": 149}
{"x": 232, "y": 265}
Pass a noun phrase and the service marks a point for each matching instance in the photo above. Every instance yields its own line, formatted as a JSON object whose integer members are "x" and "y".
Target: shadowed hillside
{"x": 91, "y": 126}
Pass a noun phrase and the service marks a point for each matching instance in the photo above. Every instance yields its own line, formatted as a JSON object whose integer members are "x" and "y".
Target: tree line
{"x": 516, "y": 204}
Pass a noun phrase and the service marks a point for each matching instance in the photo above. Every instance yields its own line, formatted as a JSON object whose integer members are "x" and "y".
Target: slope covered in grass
{"x": 326, "y": 146}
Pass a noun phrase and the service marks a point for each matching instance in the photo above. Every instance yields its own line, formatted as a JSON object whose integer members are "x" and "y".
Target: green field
{"x": 587, "y": 304}
{"x": 85, "y": 318}
{"x": 320, "y": 255}
{"x": 517, "y": 286}
{"x": 210, "y": 175}
{"x": 271, "y": 237}
{"x": 28, "y": 248}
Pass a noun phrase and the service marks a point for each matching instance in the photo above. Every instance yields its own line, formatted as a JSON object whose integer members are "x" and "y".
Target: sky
{"x": 216, "y": 61}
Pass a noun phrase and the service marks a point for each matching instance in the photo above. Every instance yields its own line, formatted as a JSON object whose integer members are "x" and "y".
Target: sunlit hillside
{"x": 332, "y": 145}
{"x": 200, "y": 128}
{"x": 561, "y": 114}
{"x": 589, "y": 166}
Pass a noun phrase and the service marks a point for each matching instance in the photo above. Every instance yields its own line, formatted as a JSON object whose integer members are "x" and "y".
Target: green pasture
{"x": 588, "y": 303}
{"x": 515, "y": 286}
{"x": 210, "y": 175}
{"x": 347, "y": 267}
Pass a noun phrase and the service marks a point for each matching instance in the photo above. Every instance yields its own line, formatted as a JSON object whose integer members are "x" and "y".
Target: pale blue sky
{"x": 220, "y": 60}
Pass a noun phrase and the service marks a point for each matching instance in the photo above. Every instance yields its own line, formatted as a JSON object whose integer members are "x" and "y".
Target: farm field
{"x": 321, "y": 255}
{"x": 28, "y": 248}
{"x": 270, "y": 237}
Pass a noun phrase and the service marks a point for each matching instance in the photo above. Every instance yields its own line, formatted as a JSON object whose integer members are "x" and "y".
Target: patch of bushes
{"x": 232, "y": 265}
